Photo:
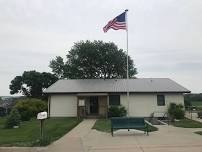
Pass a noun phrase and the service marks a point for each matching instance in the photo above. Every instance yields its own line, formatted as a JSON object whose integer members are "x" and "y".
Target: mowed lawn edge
{"x": 187, "y": 123}
{"x": 196, "y": 103}
{"x": 28, "y": 133}
{"x": 104, "y": 125}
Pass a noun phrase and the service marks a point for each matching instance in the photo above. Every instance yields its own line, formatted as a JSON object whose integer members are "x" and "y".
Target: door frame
{"x": 97, "y": 106}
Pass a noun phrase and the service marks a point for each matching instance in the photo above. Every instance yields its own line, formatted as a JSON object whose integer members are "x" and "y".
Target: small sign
{"x": 81, "y": 102}
{"x": 42, "y": 115}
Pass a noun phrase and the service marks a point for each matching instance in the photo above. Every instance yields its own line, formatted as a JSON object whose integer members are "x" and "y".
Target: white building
{"x": 92, "y": 97}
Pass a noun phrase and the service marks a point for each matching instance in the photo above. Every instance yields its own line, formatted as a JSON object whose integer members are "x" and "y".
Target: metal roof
{"x": 115, "y": 85}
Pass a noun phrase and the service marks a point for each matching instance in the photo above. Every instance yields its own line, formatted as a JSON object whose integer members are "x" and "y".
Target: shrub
{"x": 199, "y": 114}
{"x": 176, "y": 111}
{"x": 117, "y": 111}
{"x": 13, "y": 119}
{"x": 29, "y": 107}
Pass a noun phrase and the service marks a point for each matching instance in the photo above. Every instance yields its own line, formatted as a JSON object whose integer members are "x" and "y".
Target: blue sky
{"x": 165, "y": 37}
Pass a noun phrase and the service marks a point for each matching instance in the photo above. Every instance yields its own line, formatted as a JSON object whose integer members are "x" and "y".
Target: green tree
{"x": 29, "y": 107}
{"x": 57, "y": 66}
{"x": 95, "y": 59}
{"x": 32, "y": 83}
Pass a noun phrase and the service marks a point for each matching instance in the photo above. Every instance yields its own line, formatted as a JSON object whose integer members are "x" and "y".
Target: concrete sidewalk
{"x": 73, "y": 141}
{"x": 167, "y": 139}
{"x": 193, "y": 116}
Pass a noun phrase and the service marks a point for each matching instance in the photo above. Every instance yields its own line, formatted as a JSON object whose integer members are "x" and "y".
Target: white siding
{"x": 140, "y": 104}
{"x": 145, "y": 104}
{"x": 63, "y": 106}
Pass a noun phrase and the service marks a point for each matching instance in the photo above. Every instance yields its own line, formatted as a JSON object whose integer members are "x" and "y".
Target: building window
{"x": 160, "y": 100}
{"x": 114, "y": 100}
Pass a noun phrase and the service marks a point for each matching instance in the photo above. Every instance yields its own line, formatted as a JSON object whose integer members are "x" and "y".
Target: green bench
{"x": 129, "y": 123}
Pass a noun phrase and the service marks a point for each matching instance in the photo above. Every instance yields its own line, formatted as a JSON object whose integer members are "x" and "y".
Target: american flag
{"x": 117, "y": 23}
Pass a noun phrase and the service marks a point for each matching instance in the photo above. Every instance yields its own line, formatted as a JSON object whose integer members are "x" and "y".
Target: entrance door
{"x": 94, "y": 105}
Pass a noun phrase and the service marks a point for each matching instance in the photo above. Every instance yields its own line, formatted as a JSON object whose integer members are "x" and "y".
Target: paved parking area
{"x": 83, "y": 139}
{"x": 167, "y": 139}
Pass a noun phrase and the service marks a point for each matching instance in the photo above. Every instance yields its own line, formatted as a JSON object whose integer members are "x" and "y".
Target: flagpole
{"x": 128, "y": 113}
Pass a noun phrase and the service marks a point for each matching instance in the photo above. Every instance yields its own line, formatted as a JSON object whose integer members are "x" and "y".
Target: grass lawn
{"x": 196, "y": 103}
{"x": 187, "y": 123}
{"x": 29, "y": 131}
{"x": 104, "y": 125}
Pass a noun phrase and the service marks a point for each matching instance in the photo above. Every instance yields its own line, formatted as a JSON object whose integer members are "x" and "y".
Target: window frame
{"x": 161, "y": 100}
{"x": 119, "y": 100}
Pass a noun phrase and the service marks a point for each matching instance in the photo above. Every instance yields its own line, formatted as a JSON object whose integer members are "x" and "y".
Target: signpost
{"x": 81, "y": 108}
{"x": 42, "y": 116}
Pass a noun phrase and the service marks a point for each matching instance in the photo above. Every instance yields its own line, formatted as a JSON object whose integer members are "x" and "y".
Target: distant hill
{"x": 11, "y": 98}
{"x": 193, "y": 97}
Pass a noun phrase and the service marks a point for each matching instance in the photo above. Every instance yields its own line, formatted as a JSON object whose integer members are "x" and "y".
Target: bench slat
{"x": 128, "y": 123}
